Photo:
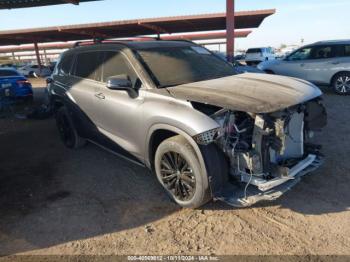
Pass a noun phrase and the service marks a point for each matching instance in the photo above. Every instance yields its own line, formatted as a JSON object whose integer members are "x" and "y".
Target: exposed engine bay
{"x": 268, "y": 150}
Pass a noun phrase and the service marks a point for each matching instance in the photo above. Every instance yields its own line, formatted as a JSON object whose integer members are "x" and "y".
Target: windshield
{"x": 171, "y": 66}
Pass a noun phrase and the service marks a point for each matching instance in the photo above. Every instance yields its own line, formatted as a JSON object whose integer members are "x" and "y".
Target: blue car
{"x": 13, "y": 85}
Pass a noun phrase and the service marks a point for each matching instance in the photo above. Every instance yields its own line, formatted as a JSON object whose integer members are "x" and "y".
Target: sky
{"x": 310, "y": 20}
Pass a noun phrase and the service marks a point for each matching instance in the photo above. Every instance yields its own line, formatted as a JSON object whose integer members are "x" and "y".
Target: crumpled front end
{"x": 267, "y": 153}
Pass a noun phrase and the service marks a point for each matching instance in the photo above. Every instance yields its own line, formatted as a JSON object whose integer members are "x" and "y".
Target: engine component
{"x": 267, "y": 147}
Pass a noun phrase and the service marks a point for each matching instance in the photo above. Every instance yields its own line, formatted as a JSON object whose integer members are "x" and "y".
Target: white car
{"x": 34, "y": 70}
{"x": 255, "y": 56}
{"x": 322, "y": 63}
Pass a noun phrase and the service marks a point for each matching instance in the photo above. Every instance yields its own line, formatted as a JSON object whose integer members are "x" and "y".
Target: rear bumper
{"x": 23, "y": 92}
{"x": 235, "y": 195}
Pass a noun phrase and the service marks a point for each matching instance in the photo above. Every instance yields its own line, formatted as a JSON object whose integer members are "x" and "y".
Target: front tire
{"x": 178, "y": 170}
{"x": 341, "y": 83}
{"x": 67, "y": 130}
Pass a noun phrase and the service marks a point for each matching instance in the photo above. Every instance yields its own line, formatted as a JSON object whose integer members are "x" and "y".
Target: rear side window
{"x": 343, "y": 51}
{"x": 88, "y": 65}
{"x": 8, "y": 73}
{"x": 65, "y": 65}
{"x": 115, "y": 63}
{"x": 323, "y": 52}
{"x": 347, "y": 50}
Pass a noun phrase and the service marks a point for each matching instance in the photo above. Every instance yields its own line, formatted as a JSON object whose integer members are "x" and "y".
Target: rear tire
{"x": 178, "y": 170}
{"x": 341, "y": 83}
{"x": 67, "y": 130}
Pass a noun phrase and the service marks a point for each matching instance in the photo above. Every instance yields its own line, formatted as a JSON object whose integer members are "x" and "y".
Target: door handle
{"x": 302, "y": 64}
{"x": 335, "y": 63}
{"x": 100, "y": 96}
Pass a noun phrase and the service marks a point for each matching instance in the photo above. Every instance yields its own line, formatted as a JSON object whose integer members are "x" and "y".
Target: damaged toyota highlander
{"x": 181, "y": 111}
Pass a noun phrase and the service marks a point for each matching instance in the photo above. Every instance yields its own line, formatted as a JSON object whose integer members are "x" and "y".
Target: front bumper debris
{"x": 235, "y": 194}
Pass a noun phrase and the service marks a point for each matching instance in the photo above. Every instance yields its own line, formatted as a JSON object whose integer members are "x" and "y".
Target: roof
{"x": 10, "y": 4}
{"x": 138, "y": 45}
{"x": 8, "y": 68}
{"x": 154, "y": 44}
{"x": 129, "y": 44}
{"x": 130, "y": 28}
{"x": 333, "y": 42}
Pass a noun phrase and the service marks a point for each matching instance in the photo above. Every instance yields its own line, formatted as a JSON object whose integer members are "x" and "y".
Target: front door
{"x": 294, "y": 64}
{"x": 119, "y": 114}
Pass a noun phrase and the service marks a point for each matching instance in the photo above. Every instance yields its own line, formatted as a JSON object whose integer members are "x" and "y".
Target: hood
{"x": 254, "y": 93}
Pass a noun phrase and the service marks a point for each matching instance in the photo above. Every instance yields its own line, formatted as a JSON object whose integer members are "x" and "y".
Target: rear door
{"x": 254, "y": 54}
{"x": 342, "y": 60}
{"x": 85, "y": 82}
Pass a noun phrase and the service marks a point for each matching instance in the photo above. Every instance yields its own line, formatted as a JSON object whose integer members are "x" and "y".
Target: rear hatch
{"x": 254, "y": 54}
{"x": 9, "y": 86}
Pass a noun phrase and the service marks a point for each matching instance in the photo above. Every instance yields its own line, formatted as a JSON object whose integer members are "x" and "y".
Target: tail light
{"x": 22, "y": 83}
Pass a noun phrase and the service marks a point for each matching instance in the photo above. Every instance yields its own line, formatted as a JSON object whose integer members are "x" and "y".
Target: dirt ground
{"x": 57, "y": 201}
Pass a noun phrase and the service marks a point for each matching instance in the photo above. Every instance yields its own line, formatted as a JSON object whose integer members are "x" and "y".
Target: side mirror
{"x": 122, "y": 82}
{"x": 119, "y": 82}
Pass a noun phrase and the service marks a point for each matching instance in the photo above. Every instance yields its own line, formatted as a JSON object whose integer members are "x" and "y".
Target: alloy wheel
{"x": 342, "y": 84}
{"x": 178, "y": 176}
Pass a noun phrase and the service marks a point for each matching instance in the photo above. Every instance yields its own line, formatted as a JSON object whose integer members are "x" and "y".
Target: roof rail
{"x": 94, "y": 41}
{"x": 108, "y": 41}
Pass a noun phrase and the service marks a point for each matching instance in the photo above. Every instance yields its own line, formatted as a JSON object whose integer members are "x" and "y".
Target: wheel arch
{"x": 158, "y": 133}
{"x": 337, "y": 73}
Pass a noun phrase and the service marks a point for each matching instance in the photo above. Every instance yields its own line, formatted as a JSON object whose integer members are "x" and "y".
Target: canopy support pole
{"x": 230, "y": 28}
{"x": 36, "y": 48}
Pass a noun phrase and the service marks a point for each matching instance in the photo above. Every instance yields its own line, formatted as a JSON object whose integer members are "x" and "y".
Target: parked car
{"x": 34, "y": 71}
{"x": 255, "y": 56}
{"x": 323, "y": 63}
{"x": 13, "y": 85}
{"x": 181, "y": 111}
{"x": 8, "y": 65}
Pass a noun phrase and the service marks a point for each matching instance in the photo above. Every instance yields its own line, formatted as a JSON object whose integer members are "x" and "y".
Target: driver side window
{"x": 301, "y": 54}
{"x": 115, "y": 63}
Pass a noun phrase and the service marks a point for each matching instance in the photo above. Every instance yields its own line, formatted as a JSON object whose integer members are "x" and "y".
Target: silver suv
{"x": 324, "y": 63}
{"x": 181, "y": 111}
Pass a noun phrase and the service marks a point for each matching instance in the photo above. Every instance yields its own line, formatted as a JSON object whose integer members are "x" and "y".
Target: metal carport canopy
{"x": 137, "y": 27}
{"x": 11, "y": 4}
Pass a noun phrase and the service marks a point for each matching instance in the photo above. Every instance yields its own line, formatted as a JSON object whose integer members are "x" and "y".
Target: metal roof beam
{"x": 155, "y": 28}
{"x": 91, "y": 33}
